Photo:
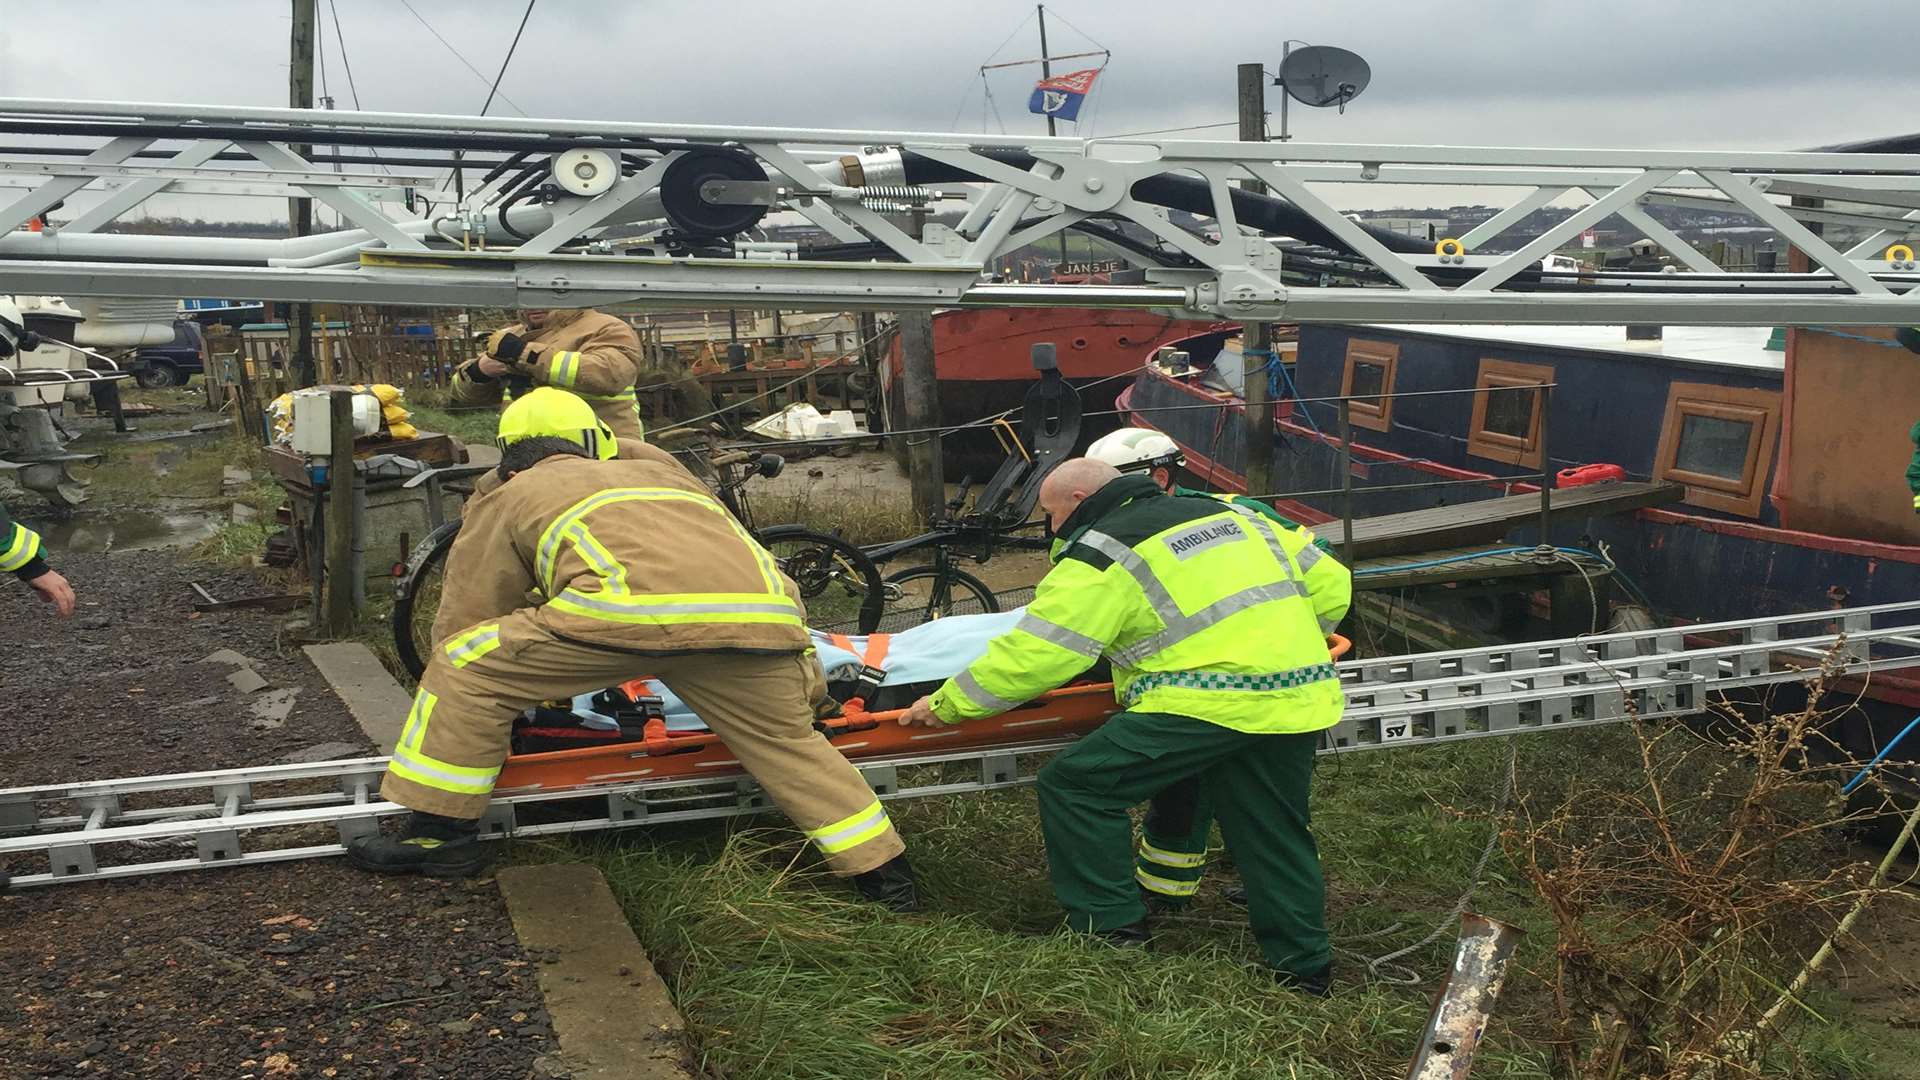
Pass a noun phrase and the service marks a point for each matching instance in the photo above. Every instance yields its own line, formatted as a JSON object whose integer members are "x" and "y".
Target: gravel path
{"x": 307, "y": 969}
{"x": 303, "y": 970}
{"x": 118, "y": 690}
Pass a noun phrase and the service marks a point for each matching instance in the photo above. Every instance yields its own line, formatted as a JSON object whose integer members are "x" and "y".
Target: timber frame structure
{"x": 571, "y": 213}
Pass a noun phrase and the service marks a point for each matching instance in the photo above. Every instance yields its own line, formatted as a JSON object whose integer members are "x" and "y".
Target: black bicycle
{"x": 838, "y": 583}
{"x": 940, "y": 588}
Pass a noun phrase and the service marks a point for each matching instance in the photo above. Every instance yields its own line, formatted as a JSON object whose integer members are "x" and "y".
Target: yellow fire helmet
{"x": 548, "y": 411}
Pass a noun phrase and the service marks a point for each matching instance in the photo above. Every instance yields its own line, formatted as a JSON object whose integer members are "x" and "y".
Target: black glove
{"x": 505, "y": 346}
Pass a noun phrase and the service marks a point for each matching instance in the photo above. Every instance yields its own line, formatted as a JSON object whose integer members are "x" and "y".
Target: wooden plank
{"x": 1488, "y": 520}
{"x": 1385, "y": 573}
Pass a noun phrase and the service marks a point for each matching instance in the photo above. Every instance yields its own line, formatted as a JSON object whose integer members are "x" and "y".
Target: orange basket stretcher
{"x": 1059, "y": 715}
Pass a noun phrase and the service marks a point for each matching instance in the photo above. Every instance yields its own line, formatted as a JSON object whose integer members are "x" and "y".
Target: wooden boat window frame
{"x": 1374, "y": 416}
{"x": 1498, "y": 445}
{"x": 1758, "y": 409}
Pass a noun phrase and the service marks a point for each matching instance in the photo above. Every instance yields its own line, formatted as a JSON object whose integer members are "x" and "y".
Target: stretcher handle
{"x": 659, "y": 742}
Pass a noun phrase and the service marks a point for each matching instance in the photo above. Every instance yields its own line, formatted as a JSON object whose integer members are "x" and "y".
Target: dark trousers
{"x": 1258, "y": 787}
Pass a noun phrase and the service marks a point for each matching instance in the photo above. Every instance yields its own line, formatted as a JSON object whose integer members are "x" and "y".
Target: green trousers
{"x": 1173, "y": 843}
{"x": 1257, "y": 785}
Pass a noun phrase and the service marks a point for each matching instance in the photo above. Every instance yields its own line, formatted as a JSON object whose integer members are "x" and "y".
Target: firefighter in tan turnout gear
{"x": 582, "y": 351}
{"x": 633, "y": 569}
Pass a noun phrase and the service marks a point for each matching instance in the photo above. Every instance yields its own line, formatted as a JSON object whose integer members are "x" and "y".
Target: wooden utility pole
{"x": 920, "y": 411}
{"x": 300, "y": 210}
{"x": 920, "y": 406}
{"x": 1256, "y": 340}
{"x": 339, "y": 495}
{"x": 870, "y": 360}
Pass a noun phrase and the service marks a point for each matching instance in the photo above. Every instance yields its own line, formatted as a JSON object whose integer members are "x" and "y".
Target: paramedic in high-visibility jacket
{"x": 1214, "y": 622}
{"x": 575, "y": 574}
{"x": 581, "y": 350}
{"x": 1177, "y": 828}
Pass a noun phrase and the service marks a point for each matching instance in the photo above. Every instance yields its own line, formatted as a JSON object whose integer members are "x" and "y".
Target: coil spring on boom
{"x": 895, "y": 198}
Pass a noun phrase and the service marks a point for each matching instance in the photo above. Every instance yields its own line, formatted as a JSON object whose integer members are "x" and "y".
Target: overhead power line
{"x": 477, "y": 73}
{"x": 524, "y": 16}
{"x": 352, "y": 90}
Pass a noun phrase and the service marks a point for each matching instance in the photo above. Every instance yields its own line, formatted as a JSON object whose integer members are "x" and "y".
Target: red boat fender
{"x": 1588, "y": 474}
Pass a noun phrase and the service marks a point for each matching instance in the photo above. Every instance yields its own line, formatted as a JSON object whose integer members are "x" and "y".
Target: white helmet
{"x": 1135, "y": 449}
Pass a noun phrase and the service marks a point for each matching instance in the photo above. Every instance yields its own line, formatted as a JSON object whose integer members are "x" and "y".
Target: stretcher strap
{"x": 872, "y": 674}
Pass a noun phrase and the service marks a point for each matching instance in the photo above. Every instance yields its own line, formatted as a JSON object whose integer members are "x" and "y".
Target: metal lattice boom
{"x": 573, "y": 213}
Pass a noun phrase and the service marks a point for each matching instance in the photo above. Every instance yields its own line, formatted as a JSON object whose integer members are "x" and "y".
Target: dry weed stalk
{"x": 1685, "y": 894}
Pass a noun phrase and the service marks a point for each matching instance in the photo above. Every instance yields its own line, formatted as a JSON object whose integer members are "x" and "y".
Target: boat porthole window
{"x": 1079, "y": 343}
{"x": 1505, "y": 423}
{"x": 1717, "y": 441}
{"x": 1714, "y": 446}
{"x": 1371, "y": 366}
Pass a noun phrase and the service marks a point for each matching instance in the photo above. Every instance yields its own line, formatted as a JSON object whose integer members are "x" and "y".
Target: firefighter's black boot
{"x": 891, "y": 883}
{"x": 431, "y": 845}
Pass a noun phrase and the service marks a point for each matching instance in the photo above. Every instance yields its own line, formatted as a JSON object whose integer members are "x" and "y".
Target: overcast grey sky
{"x": 1774, "y": 74}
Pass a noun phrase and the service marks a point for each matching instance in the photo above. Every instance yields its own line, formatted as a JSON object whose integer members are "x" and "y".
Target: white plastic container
{"x": 313, "y": 421}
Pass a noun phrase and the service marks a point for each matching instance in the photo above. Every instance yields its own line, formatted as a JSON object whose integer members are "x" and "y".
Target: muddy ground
{"x": 122, "y": 688}
{"x": 307, "y": 969}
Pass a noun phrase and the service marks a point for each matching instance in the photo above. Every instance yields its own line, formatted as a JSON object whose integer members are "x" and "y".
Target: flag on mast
{"x": 1060, "y": 96}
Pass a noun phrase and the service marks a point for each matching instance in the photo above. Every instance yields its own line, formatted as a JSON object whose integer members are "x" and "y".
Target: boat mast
{"x": 1046, "y": 72}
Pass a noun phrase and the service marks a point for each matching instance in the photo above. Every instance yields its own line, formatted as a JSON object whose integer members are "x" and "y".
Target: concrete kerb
{"x": 376, "y": 701}
{"x": 611, "y": 1011}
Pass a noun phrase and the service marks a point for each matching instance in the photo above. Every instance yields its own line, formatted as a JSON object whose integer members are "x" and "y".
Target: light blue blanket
{"x": 931, "y": 651}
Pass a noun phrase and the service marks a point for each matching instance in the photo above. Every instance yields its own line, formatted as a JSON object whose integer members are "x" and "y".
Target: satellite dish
{"x": 1322, "y": 75}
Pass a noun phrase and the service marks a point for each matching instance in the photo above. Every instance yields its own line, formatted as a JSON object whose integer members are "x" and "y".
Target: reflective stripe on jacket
{"x": 19, "y": 548}
{"x": 1262, "y": 509}
{"x": 1203, "y": 610}
{"x": 583, "y": 351}
{"x": 631, "y": 553}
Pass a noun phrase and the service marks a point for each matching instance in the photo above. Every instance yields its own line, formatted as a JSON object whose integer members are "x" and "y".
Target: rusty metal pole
{"x": 1459, "y": 1018}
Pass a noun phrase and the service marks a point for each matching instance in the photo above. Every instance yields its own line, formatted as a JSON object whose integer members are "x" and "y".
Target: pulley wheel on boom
{"x": 692, "y": 214}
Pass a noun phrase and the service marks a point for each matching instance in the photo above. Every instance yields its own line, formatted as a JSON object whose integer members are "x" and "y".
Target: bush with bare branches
{"x": 1687, "y": 894}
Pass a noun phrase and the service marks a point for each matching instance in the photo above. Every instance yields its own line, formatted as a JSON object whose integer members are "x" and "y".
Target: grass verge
{"x": 781, "y": 973}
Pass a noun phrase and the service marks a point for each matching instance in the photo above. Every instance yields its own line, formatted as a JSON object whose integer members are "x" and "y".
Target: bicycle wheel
{"x": 915, "y": 596}
{"x": 416, "y": 598}
{"x": 839, "y": 584}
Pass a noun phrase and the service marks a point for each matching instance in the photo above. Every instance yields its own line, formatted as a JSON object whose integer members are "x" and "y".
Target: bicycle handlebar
{"x": 960, "y": 497}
